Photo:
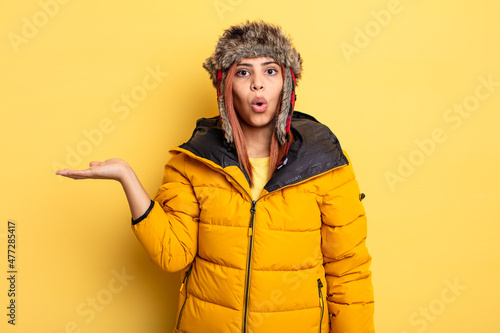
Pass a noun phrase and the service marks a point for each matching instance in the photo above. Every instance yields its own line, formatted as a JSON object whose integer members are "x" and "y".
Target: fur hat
{"x": 253, "y": 40}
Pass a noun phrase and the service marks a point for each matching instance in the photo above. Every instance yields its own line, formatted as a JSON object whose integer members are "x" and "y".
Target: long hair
{"x": 277, "y": 152}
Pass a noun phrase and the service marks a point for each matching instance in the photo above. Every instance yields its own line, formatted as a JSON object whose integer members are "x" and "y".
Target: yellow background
{"x": 384, "y": 75}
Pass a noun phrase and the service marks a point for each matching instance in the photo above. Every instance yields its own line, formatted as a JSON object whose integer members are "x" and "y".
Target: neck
{"x": 258, "y": 140}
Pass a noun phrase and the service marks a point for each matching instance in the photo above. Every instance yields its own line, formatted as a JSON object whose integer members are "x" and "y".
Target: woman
{"x": 260, "y": 207}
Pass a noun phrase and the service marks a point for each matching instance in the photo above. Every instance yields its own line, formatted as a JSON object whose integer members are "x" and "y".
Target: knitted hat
{"x": 253, "y": 40}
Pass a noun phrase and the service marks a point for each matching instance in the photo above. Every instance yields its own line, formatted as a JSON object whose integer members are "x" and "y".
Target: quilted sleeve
{"x": 345, "y": 256}
{"x": 169, "y": 232}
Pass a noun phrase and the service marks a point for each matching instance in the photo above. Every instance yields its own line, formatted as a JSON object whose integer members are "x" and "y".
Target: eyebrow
{"x": 263, "y": 64}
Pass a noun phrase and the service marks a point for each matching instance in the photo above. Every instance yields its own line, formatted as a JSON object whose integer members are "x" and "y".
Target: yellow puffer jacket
{"x": 294, "y": 260}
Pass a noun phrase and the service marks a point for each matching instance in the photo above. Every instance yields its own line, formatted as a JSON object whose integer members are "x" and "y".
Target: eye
{"x": 242, "y": 72}
{"x": 271, "y": 71}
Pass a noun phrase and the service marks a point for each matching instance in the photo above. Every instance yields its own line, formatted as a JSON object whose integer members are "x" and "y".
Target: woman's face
{"x": 257, "y": 87}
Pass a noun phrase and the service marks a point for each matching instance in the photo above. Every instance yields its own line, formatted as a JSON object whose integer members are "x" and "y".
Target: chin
{"x": 262, "y": 123}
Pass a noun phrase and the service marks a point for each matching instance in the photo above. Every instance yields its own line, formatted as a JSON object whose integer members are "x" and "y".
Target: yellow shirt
{"x": 260, "y": 171}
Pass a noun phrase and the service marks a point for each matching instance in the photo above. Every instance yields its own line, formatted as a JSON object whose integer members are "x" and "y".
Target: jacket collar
{"x": 315, "y": 150}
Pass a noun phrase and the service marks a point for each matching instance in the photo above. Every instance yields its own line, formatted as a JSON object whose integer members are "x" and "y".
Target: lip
{"x": 259, "y": 104}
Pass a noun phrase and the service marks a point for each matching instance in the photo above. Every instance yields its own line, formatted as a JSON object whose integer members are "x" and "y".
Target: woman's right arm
{"x": 167, "y": 228}
{"x": 119, "y": 170}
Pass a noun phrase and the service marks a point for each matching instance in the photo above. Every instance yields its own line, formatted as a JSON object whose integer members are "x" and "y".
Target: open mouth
{"x": 259, "y": 104}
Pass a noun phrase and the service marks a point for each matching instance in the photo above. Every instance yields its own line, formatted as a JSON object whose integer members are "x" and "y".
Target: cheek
{"x": 278, "y": 89}
{"x": 239, "y": 97}
{"x": 236, "y": 93}
{"x": 277, "y": 94}
{"x": 236, "y": 100}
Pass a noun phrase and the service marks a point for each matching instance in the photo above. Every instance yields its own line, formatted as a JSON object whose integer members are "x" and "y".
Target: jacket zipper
{"x": 321, "y": 303}
{"x": 249, "y": 266}
{"x": 184, "y": 282}
{"x": 250, "y": 245}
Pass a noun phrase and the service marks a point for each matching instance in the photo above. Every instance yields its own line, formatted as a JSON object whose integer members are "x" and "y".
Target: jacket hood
{"x": 314, "y": 150}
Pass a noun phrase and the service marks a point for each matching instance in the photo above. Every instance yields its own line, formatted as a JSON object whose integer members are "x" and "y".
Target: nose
{"x": 257, "y": 86}
{"x": 257, "y": 82}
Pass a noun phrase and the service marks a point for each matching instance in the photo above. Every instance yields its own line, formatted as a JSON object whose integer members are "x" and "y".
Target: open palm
{"x": 113, "y": 168}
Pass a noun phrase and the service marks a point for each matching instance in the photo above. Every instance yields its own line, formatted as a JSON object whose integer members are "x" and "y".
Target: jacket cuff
{"x": 143, "y": 216}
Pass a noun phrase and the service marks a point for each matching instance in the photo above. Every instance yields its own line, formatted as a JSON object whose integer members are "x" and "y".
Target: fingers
{"x": 79, "y": 174}
{"x": 63, "y": 172}
{"x": 109, "y": 169}
{"x": 75, "y": 174}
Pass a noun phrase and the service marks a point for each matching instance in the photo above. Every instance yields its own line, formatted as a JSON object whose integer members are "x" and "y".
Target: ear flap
{"x": 287, "y": 105}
